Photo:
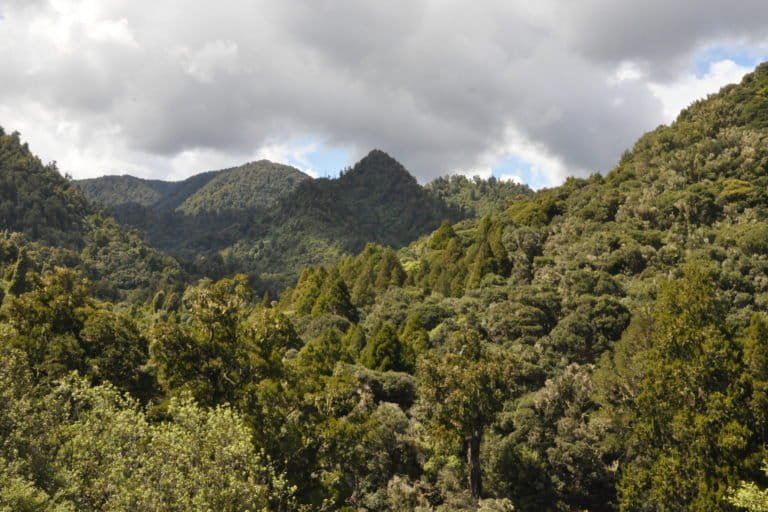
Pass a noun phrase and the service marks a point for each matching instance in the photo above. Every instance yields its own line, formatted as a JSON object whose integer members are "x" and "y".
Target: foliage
{"x": 601, "y": 345}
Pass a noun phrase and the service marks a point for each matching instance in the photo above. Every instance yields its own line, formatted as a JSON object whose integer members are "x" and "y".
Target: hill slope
{"x": 632, "y": 304}
{"x": 59, "y": 227}
{"x": 257, "y": 185}
{"x": 269, "y": 220}
{"x": 35, "y": 199}
{"x": 253, "y": 185}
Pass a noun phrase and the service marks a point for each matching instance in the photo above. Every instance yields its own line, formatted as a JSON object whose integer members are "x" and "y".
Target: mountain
{"x": 257, "y": 185}
{"x": 112, "y": 191}
{"x": 253, "y": 185}
{"x": 270, "y": 220}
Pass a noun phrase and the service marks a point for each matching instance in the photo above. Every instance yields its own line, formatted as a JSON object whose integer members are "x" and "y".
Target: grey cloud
{"x": 660, "y": 33}
{"x": 437, "y": 84}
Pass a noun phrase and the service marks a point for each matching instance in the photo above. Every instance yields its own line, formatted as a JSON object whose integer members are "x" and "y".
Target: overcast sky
{"x": 535, "y": 91}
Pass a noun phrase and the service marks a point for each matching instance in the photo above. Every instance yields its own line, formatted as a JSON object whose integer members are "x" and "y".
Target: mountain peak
{"x": 379, "y": 157}
{"x": 378, "y": 165}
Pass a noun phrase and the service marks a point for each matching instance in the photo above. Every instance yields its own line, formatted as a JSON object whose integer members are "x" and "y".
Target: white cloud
{"x": 677, "y": 95}
{"x": 483, "y": 172}
{"x": 627, "y": 71}
{"x": 542, "y": 166}
{"x": 112, "y": 31}
{"x": 69, "y": 24}
{"x": 510, "y": 177}
{"x": 291, "y": 154}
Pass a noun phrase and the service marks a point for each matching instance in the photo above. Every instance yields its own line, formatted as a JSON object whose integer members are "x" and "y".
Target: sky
{"x": 527, "y": 91}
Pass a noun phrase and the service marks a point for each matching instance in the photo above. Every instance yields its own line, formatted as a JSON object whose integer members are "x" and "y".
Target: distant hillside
{"x": 117, "y": 190}
{"x": 253, "y": 185}
{"x": 269, "y": 220}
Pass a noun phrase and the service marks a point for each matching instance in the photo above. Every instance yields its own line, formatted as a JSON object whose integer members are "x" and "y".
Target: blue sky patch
{"x": 513, "y": 165}
{"x": 741, "y": 55}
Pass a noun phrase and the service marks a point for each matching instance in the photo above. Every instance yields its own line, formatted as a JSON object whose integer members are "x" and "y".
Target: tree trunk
{"x": 473, "y": 463}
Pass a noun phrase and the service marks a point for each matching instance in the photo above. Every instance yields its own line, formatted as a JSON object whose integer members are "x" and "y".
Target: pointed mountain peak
{"x": 379, "y": 165}
{"x": 380, "y": 157}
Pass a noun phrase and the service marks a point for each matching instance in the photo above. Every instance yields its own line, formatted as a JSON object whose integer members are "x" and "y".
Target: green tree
{"x": 384, "y": 351}
{"x": 440, "y": 238}
{"x": 46, "y": 321}
{"x": 693, "y": 428}
{"x": 19, "y": 283}
{"x": 335, "y": 299}
{"x": 115, "y": 351}
{"x": 226, "y": 348}
{"x": 321, "y": 354}
{"x": 462, "y": 387}
{"x": 114, "y": 459}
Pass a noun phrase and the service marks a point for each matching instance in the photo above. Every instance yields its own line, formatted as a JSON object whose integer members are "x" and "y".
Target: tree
{"x": 321, "y": 354}
{"x": 335, "y": 299}
{"x": 462, "y": 387}
{"x": 19, "y": 282}
{"x": 384, "y": 351}
{"x": 442, "y": 236}
{"x": 46, "y": 322}
{"x": 693, "y": 432}
{"x": 115, "y": 351}
{"x": 749, "y": 496}
{"x": 226, "y": 348}
{"x": 114, "y": 459}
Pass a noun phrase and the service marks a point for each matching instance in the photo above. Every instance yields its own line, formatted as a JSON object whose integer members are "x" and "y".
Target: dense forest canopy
{"x": 601, "y": 345}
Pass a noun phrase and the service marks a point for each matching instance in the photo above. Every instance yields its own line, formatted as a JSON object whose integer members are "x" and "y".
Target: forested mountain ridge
{"x": 601, "y": 345}
{"x": 269, "y": 220}
{"x": 253, "y": 185}
{"x": 112, "y": 191}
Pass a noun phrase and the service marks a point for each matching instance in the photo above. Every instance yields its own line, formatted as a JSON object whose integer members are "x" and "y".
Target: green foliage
{"x": 35, "y": 199}
{"x": 601, "y": 345}
{"x": 535, "y": 212}
{"x": 477, "y": 197}
{"x": 385, "y": 351}
{"x": 335, "y": 299}
{"x": 199, "y": 460}
{"x": 694, "y": 430}
{"x": 750, "y": 497}
{"x": 552, "y": 442}
{"x": 463, "y": 387}
{"x": 440, "y": 238}
{"x": 224, "y": 348}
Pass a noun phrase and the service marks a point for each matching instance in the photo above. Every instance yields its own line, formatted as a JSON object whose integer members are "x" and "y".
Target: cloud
{"x": 677, "y": 95}
{"x": 442, "y": 85}
{"x": 215, "y": 60}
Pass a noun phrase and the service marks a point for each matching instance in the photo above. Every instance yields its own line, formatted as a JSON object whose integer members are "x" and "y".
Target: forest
{"x": 269, "y": 221}
{"x": 601, "y": 345}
